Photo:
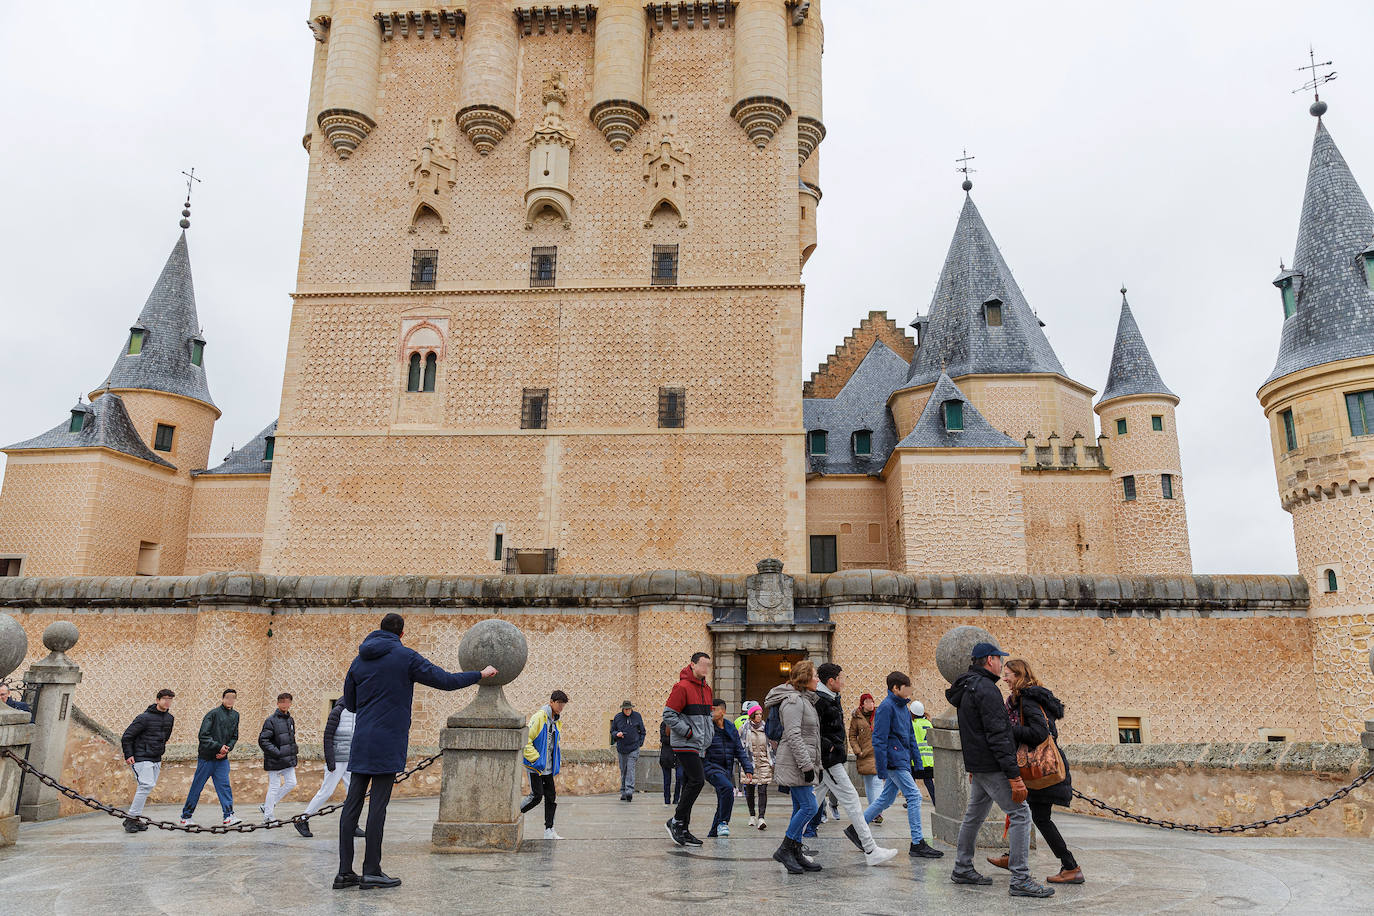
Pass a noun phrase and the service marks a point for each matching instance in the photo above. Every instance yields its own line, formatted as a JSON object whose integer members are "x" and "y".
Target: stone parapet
{"x": 1320, "y": 757}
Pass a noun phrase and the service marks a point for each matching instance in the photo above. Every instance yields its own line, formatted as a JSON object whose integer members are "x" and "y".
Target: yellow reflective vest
{"x": 919, "y": 728}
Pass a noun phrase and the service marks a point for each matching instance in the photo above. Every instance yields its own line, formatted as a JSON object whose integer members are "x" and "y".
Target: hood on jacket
{"x": 1052, "y": 705}
{"x": 686, "y": 675}
{"x": 961, "y": 684}
{"x": 377, "y": 644}
{"x": 152, "y": 707}
{"x": 780, "y": 693}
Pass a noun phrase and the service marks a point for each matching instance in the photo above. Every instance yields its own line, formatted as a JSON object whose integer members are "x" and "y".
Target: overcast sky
{"x": 1152, "y": 144}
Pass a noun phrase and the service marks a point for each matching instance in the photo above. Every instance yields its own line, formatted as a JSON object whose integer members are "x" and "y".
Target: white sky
{"x": 1156, "y": 144}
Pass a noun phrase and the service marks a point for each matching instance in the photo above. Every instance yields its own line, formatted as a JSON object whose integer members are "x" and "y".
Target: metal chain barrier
{"x": 97, "y": 805}
{"x": 1233, "y": 828}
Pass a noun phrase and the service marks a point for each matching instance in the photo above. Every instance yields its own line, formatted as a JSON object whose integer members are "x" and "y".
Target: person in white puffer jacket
{"x": 338, "y": 735}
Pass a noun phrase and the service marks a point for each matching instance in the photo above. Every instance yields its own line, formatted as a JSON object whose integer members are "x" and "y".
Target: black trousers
{"x": 541, "y": 789}
{"x": 926, "y": 776}
{"x": 358, "y": 786}
{"x": 1040, "y": 816}
{"x": 693, "y": 778}
{"x": 671, "y": 792}
{"x": 762, "y": 790}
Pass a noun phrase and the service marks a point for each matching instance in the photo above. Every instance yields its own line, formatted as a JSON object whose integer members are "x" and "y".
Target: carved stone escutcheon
{"x": 769, "y": 594}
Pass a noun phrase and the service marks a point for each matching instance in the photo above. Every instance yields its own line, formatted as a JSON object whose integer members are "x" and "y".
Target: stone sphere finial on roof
{"x": 967, "y": 185}
{"x": 1318, "y": 108}
{"x": 14, "y": 644}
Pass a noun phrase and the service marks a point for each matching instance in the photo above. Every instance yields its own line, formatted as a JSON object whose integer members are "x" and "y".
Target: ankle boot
{"x": 1002, "y": 861}
{"x": 803, "y": 859}
{"x": 1067, "y": 876}
{"x": 785, "y": 855}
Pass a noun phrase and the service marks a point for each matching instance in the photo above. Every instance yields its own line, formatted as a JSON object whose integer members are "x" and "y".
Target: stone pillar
{"x": 15, "y": 731}
{"x": 1367, "y": 737}
{"x": 57, "y": 677}
{"x": 951, "y": 779}
{"x": 479, "y": 796}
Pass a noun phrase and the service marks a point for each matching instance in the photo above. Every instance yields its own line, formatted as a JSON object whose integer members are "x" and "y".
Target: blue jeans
{"x": 803, "y": 809}
{"x": 217, "y": 770}
{"x": 873, "y": 787}
{"x": 899, "y": 780}
{"x": 718, "y": 777}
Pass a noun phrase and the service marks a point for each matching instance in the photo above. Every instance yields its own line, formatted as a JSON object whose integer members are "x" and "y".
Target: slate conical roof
{"x": 1133, "y": 369}
{"x": 1334, "y": 318}
{"x": 957, "y": 338}
{"x": 930, "y": 432}
{"x": 860, "y": 404}
{"x": 251, "y": 459}
{"x": 106, "y": 425}
{"x": 171, "y": 324}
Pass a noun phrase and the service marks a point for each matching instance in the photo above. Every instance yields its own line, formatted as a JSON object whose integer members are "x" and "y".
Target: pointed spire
{"x": 961, "y": 334}
{"x": 932, "y": 430}
{"x": 1133, "y": 368}
{"x": 1333, "y": 317}
{"x": 170, "y": 341}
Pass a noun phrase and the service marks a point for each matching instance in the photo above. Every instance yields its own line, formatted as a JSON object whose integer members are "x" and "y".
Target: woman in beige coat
{"x": 798, "y": 759}
{"x": 756, "y": 783}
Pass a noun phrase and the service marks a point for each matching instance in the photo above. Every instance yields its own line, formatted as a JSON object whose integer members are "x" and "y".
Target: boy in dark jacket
{"x": 722, "y": 754}
{"x": 278, "y": 742}
{"x": 894, "y": 747}
{"x": 990, "y": 758}
{"x": 219, "y": 732}
{"x": 627, "y": 734}
{"x": 144, "y": 742}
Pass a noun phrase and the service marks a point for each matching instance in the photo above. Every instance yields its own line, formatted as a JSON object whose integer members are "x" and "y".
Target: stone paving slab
{"x": 617, "y": 858}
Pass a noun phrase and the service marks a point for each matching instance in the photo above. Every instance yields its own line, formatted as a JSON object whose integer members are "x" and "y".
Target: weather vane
{"x": 966, "y": 169}
{"x": 1316, "y": 82}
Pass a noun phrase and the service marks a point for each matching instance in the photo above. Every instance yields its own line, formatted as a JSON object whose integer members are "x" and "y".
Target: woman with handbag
{"x": 1034, "y": 710}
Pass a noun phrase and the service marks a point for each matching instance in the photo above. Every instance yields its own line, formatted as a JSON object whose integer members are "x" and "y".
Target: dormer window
{"x": 954, "y": 415}
{"x": 992, "y": 312}
{"x": 197, "y": 351}
{"x": 78, "y": 421}
{"x": 1289, "y": 282}
{"x": 863, "y": 443}
{"x": 269, "y": 449}
{"x": 816, "y": 442}
{"x": 1368, "y": 258}
{"x": 136, "y": 337}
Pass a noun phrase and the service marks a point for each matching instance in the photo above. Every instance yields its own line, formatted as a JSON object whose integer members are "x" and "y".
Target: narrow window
{"x": 136, "y": 336}
{"x": 431, "y": 370}
{"x": 954, "y": 415}
{"x": 78, "y": 421}
{"x": 1128, "y": 487}
{"x": 1128, "y": 729}
{"x": 1330, "y": 580}
{"x": 1369, "y": 268}
{"x": 543, "y": 266}
{"x": 269, "y": 449}
{"x": 665, "y": 266}
{"x": 162, "y": 440}
{"x": 823, "y": 559}
{"x": 992, "y": 311}
{"x": 1121, "y": 427}
{"x": 1290, "y": 298}
{"x": 816, "y": 445}
{"x": 534, "y": 408}
{"x": 1166, "y": 485}
{"x": 1360, "y": 406}
{"x": 197, "y": 352}
{"x": 1290, "y": 432}
{"x": 672, "y": 407}
{"x": 413, "y": 377}
{"x": 148, "y": 556}
{"x": 863, "y": 442}
{"x": 424, "y": 263}
{"x": 499, "y": 543}
{"x": 1157, "y": 423}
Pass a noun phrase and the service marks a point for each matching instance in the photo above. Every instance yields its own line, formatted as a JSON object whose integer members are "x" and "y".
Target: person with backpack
{"x": 798, "y": 758}
{"x": 894, "y": 748}
{"x": 724, "y": 753}
{"x": 338, "y": 738}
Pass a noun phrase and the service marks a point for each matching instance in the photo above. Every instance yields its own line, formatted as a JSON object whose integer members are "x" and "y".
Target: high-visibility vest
{"x": 919, "y": 727}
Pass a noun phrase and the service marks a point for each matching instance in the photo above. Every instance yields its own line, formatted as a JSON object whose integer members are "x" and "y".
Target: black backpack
{"x": 772, "y": 726}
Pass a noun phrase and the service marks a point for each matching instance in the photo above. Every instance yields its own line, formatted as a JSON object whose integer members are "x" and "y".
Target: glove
{"x": 809, "y": 776}
{"x": 1018, "y": 790}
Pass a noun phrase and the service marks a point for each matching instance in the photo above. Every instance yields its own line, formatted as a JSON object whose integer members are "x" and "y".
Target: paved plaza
{"x": 616, "y": 858}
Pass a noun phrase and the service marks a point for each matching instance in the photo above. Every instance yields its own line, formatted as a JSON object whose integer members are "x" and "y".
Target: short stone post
{"x": 1367, "y": 738}
{"x": 57, "y": 677}
{"x": 952, "y": 657}
{"x": 15, "y": 731}
{"x": 479, "y": 797}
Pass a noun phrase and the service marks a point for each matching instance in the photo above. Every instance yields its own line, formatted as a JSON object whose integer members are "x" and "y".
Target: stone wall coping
{"x": 1011, "y": 595}
{"x": 1337, "y": 759}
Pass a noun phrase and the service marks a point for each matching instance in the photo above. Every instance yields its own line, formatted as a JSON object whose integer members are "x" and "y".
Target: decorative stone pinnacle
{"x": 484, "y": 125}
{"x": 761, "y": 116}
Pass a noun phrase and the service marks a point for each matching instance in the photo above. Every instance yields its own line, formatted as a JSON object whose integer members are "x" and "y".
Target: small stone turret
{"x": 490, "y": 55}
{"x": 618, "y": 78}
{"x": 349, "y": 102}
{"x": 761, "y": 77}
{"x": 319, "y": 30}
{"x": 810, "y": 39}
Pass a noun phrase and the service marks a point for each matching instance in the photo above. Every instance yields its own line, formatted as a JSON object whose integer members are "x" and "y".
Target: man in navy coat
{"x": 379, "y": 690}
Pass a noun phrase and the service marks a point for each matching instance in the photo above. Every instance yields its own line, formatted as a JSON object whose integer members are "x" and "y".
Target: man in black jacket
{"x": 990, "y": 759}
{"x": 219, "y": 732}
{"x": 627, "y": 734}
{"x": 144, "y": 742}
{"x": 278, "y": 742}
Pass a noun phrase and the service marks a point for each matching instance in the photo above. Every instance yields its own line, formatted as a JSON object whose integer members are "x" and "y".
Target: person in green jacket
{"x": 219, "y": 732}
{"x": 924, "y": 769}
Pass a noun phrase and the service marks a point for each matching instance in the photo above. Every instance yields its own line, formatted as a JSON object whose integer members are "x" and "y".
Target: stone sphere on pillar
{"x": 954, "y": 652}
{"x": 498, "y": 643}
{"x": 60, "y": 636}
{"x": 14, "y": 644}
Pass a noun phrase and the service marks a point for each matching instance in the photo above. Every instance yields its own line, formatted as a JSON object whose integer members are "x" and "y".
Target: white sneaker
{"x": 186, "y": 822}
{"x": 753, "y": 822}
{"x": 551, "y": 834}
{"x": 879, "y": 855}
{"x": 762, "y": 824}
{"x": 231, "y": 820}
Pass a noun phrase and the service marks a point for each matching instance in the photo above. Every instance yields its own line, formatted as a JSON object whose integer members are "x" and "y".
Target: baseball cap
{"x": 984, "y": 649}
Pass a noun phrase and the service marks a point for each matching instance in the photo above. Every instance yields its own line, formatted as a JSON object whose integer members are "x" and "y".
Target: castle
{"x": 548, "y": 320}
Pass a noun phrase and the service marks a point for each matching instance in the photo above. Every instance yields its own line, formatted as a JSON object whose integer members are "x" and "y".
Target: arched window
{"x": 413, "y": 380}
{"x": 431, "y": 369}
{"x": 1331, "y": 580}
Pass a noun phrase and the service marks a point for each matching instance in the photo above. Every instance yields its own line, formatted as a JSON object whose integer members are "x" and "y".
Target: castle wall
{"x": 44, "y": 508}
{"x": 1069, "y": 524}
{"x": 854, "y": 510}
{"x": 956, "y": 510}
{"x": 228, "y": 515}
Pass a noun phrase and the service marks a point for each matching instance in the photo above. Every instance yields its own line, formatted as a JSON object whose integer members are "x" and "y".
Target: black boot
{"x": 788, "y": 858}
{"x": 803, "y": 859}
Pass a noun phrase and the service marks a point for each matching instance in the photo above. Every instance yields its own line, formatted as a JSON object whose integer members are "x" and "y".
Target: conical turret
{"x": 1133, "y": 369}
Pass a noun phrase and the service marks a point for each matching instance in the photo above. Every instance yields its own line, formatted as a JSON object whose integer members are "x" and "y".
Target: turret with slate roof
{"x": 103, "y": 424}
{"x": 1133, "y": 369}
{"x": 253, "y": 458}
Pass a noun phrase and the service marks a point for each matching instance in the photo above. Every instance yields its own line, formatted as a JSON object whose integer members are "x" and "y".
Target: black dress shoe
{"x": 302, "y": 828}
{"x": 359, "y": 833}
{"x": 131, "y": 825}
{"x": 378, "y": 880}
{"x": 347, "y": 879}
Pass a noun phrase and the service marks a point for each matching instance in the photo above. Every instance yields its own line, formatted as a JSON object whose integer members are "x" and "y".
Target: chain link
{"x": 97, "y": 805}
{"x": 1231, "y": 828}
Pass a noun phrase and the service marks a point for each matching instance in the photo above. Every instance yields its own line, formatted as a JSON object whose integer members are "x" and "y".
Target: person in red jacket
{"x": 688, "y": 717}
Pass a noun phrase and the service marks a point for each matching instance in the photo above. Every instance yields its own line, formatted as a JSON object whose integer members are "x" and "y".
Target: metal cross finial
{"x": 190, "y": 177}
{"x": 1316, "y": 82}
{"x": 966, "y": 169}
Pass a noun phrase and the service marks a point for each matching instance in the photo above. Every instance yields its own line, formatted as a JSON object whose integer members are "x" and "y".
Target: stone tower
{"x": 1137, "y": 415}
{"x": 1319, "y": 403}
{"x": 108, "y": 491}
{"x": 548, "y": 308}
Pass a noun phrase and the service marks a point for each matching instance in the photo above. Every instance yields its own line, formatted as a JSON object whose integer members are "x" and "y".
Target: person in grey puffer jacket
{"x": 798, "y": 758}
{"x": 338, "y": 735}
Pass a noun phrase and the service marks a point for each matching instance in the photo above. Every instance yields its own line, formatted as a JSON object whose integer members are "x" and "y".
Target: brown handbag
{"x": 1042, "y": 766}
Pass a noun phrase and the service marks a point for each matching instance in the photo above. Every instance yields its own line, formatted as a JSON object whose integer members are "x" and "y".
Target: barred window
{"x": 534, "y": 409}
{"x": 1128, "y": 487}
{"x": 543, "y": 266}
{"x": 424, "y": 263}
{"x": 664, "y": 266}
{"x": 162, "y": 441}
{"x": 672, "y": 407}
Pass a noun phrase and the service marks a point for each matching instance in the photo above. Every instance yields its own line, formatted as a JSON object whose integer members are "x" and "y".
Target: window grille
{"x": 543, "y": 266}
{"x": 424, "y": 263}
{"x": 817, "y": 443}
{"x": 672, "y": 407}
{"x": 664, "y": 271}
{"x": 1128, "y": 487}
{"x": 1166, "y": 485}
{"x": 823, "y": 558}
{"x": 431, "y": 371}
{"x": 162, "y": 440}
{"x": 534, "y": 408}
